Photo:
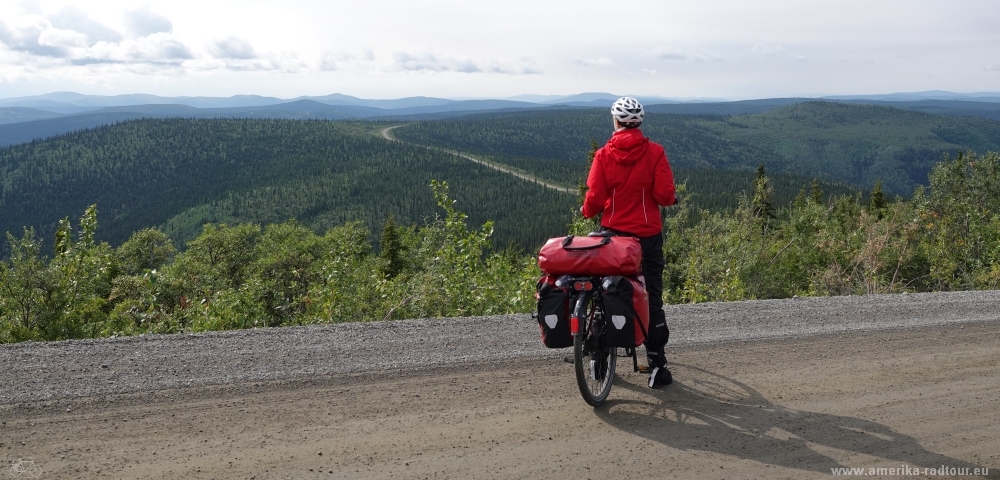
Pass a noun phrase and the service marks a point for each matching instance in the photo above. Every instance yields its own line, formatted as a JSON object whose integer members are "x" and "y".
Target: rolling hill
{"x": 836, "y": 142}
{"x": 23, "y": 114}
{"x": 63, "y": 112}
{"x": 180, "y": 173}
{"x": 21, "y": 128}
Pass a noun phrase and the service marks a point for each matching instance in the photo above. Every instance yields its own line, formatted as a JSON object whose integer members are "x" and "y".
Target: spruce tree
{"x": 800, "y": 199}
{"x": 816, "y": 194}
{"x": 877, "y": 203}
{"x": 762, "y": 191}
{"x": 392, "y": 249}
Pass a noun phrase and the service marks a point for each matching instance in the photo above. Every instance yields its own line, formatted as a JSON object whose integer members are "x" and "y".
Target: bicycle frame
{"x": 585, "y": 288}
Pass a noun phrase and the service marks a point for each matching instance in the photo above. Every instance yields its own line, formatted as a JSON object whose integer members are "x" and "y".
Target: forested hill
{"x": 856, "y": 144}
{"x": 181, "y": 173}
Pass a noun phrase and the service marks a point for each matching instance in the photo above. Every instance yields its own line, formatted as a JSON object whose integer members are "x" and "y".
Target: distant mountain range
{"x": 927, "y": 95}
{"x": 70, "y": 102}
{"x": 23, "y": 119}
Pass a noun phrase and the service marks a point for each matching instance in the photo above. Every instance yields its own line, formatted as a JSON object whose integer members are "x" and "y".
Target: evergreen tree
{"x": 393, "y": 252}
{"x": 816, "y": 193}
{"x": 800, "y": 199}
{"x": 877, "y": 203}
{"x": 763, "y": 209}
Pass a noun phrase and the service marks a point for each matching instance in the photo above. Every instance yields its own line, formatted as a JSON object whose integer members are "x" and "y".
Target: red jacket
{"x": 629, "y": 180}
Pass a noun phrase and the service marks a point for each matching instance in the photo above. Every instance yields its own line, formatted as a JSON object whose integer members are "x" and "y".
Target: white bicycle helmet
{"x": 628, "y": 111}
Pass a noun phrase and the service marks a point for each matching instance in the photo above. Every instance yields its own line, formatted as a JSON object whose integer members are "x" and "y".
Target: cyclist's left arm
{"x": 663, "y": 181}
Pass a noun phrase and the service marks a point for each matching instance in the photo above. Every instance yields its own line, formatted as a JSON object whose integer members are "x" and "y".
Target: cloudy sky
{"x": 389, "y": 49}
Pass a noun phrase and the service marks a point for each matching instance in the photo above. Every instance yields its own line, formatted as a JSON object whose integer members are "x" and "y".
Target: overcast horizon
{"x": 541, "y": 98}
{"x": 461, "y": 49}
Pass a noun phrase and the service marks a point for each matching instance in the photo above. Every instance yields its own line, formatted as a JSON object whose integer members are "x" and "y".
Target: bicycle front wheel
{"x": 595, "y": 367}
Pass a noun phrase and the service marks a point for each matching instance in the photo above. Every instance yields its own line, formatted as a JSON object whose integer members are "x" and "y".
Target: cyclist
{"x": 629, "y": 179}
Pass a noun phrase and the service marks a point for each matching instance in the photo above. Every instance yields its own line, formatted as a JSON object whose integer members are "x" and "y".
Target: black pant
{"x": 652, "y": 270}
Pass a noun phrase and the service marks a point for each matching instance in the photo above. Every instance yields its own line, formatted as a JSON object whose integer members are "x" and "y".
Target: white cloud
{"x": 428, "y": 62}
{"x": 508, "y": 69}
{"x": 333, "y": 63}
{"x": 73, "y": 18}
{"x": 686, "y": 54}
{"x": 767, "y": 50}
{"x": 232, "y": 47}
{"x": 594, "y": 62}
{"x": 158, "y": 48}
{"x": 72, "y": 38}
{"x": 707, "y": 49}
{"x": 340, "y": 61}
{"x": 65, "y": 39}
{"x": 774, "y": 51}
{"x": 250, "y": 65}
{"x": 672, "y": 55}
{"x": 144, "y": 22}
{"x": 26, "y": 36}
{"x": 282, "y": 62}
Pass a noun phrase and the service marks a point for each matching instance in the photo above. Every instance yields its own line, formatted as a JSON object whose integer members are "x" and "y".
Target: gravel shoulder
{"x": 39, "y": 372}
{"x": 776, "y": 389}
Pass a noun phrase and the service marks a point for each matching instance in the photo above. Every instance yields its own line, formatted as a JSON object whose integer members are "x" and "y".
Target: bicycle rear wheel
{"x": 595, "y": 366}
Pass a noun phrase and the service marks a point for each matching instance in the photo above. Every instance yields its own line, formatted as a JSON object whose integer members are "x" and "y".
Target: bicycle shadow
{"x": 721, "y": 415}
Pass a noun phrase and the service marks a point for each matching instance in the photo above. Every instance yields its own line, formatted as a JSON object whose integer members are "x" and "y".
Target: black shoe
{"x": 660, "y": 377}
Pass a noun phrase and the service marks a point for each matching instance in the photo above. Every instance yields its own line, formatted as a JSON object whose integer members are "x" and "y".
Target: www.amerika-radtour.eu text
{"x": 905, "y": 470}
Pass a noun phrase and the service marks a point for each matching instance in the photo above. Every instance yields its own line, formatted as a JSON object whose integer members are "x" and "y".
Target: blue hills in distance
{"x": 23, "y": 119}
{"x": 71, "y": 102}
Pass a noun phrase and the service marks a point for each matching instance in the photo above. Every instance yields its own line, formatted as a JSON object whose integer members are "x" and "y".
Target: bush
{"x": 946, "y": 237}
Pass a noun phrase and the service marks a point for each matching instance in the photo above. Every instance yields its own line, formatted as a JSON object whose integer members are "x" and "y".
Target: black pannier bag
{"x": 553, "y": 313}
{"x": 626, "y": 310}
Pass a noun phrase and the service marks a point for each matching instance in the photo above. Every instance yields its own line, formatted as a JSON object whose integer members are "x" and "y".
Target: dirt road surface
{"x": 387, "y": 134}
{"x": 775, "y": 389}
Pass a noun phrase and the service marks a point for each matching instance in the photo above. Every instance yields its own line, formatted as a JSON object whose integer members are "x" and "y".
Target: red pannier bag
{"x": 553, "y": 313}
{"x": 594, "y": 256}
{"x": 626, "y": 310}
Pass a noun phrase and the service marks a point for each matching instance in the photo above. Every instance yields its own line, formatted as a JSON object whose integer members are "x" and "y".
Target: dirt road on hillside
{"x": 387, "y": 134}
{"x": 870, "y": 394}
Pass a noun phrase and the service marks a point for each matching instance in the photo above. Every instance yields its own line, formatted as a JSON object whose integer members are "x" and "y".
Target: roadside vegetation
{"x": 246, "y": 276}
{"x": 946, "y": 237}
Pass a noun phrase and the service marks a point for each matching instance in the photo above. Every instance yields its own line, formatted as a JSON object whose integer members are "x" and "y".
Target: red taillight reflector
{"x": 583, "y": 286}
{"x": 574, "y": 325}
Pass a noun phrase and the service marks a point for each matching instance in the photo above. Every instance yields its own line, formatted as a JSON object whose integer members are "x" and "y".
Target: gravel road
{"x": 57, "y": 370}
{"x": 791, "y": 389}
{"x": 387, "y": 134}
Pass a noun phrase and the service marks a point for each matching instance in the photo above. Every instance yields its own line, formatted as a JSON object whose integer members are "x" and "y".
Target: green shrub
{"x": 946, "y": 237}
